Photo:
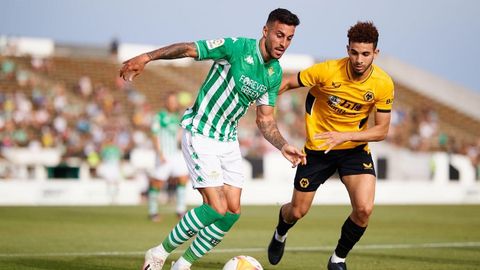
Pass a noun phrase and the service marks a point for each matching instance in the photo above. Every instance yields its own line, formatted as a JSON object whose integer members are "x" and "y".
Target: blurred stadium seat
{"x": 63, "y": 103}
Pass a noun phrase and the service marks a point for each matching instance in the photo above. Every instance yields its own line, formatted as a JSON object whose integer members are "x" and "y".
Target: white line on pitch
{"x": 245, "y": 250}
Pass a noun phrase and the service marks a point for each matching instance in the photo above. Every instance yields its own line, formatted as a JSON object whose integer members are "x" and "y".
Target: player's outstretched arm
{"x": 374, "y": 134}
{"x": 289, "y": 82}
{"x": 268, "y": 127}
{"x": 134, "y": 66}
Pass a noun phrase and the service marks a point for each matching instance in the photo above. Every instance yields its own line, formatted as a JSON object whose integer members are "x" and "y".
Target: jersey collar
{"x": 350, "y": 77}
{"x": 259, "y": 53}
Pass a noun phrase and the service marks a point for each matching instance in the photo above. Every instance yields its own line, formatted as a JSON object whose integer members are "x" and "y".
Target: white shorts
{"x": 174, "y": 166}
{"x": 212, "y": 163}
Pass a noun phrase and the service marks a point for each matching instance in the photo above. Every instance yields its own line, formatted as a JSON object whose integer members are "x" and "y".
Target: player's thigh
{"x": 232, "y": 165}
{"x": 361, "y": 189}
{"x": 357, "y": 172}
{"x": 202, "y": 160}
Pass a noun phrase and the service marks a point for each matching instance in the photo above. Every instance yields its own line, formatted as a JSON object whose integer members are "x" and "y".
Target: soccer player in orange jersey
{"x": 342, "y": 95}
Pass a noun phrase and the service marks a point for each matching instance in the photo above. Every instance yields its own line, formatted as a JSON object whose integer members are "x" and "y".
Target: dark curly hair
{"x": 284, "y": 16}
{"x": 363, "y": 32}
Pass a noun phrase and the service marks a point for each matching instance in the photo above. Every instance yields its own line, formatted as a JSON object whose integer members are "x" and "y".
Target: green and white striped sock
{"x": 210, "y": 237}
{"x": 192, "y": 222}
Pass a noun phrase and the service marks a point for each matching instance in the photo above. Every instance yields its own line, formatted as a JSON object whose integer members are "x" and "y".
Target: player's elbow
{"x": 260, "y": 121}
{"x": 382, "y": 135}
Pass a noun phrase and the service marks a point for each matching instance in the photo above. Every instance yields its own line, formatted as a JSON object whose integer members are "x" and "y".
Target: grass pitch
{"x": 88, "y": 238}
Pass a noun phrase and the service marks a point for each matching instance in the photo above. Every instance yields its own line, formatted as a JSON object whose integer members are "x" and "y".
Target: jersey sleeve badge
{"x": 215, "y": 43}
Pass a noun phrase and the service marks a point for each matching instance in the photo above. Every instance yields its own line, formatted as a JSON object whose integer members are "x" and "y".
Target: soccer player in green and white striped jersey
{"x": 169, "y": 159}
{"x": 244, "y": 71}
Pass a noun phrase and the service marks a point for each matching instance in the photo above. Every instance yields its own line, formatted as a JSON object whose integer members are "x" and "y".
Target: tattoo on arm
{"x": 271, "y": 133}
{"x": 177, "y": 50}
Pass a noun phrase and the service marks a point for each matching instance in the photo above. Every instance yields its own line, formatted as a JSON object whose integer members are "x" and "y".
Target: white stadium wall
{"x": 408, "y": 181}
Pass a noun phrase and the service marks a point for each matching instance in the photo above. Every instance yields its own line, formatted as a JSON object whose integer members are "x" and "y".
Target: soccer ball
{"x": 242, "y": 262}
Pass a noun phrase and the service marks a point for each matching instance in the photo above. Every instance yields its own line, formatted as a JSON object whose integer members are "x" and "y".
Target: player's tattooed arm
{"x": 177, "y": 50}
{"x": 269, "y": 130}
{"x": 268, "y": 126}
{"x": 133, "y": 67}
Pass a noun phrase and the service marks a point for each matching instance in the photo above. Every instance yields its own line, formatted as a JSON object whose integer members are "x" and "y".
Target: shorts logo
{"x": 369, "y": 96}
{"x": 215, "y": 43}
{"x": 304, "y": 182}
{"x": 367, "y": 166}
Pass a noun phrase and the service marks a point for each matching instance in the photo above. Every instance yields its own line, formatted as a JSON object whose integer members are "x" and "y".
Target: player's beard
{"x": 270, "y": 50}
{"x": 356, "y": 73}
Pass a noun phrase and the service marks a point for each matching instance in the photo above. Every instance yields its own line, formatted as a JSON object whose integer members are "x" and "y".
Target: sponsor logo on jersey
{"x": 304, "y": 182}
{"x": 343, "y": 106}
{"x": 334, "y": 100}
{"x": 249, "y": 59}
{"x": 369, "y": 96}
{"x": 215, "y": 43}
{"x": 251, "y": 87}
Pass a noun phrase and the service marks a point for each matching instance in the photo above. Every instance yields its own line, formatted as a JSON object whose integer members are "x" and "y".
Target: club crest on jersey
{"x": 215, "y": 43}
{"x": 369, "y": 96}
{"x": 270, "y": 71}
{"x": 249, "y": 59}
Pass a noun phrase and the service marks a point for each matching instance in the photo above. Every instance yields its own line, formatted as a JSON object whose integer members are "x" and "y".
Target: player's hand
{"x": 132, "y": 67}
{"x": 294, "y": 155}
{"x": 332, "y": 139}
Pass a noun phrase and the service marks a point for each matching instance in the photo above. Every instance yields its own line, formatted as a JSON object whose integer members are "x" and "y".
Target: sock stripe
{"x": 179, "y": 234}
{"x": 214, "y": 227}
{"x": 205, "y": 236}
{"x": 195, "y": 252}
{"x": 172, "y": 242}
{"x": 200, "y": 249}
{"x": 200, "y": 224}
{"x": 184, "y": 226}
{"x": 190, "y": 223}
{"x": 212, "y": 234}
{"x": 178, "y": 241}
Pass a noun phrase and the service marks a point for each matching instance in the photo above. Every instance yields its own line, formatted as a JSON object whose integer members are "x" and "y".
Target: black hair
{"x": 363, "y": 32}
{"x": 284, "y": 16}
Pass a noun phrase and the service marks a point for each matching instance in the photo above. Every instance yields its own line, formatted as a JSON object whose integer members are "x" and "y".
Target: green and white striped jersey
{"x": 165, "y": 125}
{"x": 237, "y": 78}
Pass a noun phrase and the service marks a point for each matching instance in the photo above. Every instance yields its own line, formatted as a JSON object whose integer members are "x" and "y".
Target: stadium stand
{"x": 60, "y": 110}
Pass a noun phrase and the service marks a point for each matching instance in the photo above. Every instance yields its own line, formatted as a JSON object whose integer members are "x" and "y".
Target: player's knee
{"x": 363, "y": 213}
{"x": 298, "y": 213}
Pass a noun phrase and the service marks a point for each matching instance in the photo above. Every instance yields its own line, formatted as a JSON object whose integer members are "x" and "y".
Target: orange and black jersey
{"x": 337, "y": 103}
